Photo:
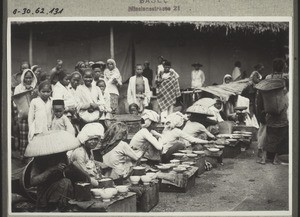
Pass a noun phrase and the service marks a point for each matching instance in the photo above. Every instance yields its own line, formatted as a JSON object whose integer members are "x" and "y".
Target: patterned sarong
{"x": 168, "y": 91}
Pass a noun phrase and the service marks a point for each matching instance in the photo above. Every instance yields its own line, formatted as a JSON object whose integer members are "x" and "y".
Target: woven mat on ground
{"x": 177, "y": 179}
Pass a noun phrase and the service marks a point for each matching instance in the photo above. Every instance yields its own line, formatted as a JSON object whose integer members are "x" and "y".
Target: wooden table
{"x": 149, "y": 197}
{"x": 177, "y": 182}
{"x": 125, "y": 203}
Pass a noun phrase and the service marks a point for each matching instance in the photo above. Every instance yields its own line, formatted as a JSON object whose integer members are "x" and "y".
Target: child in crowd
{"x": 116, "y": 153}
{"x": 98, "y": 71}
{"x": 60, "y": 91}
{"x": 145, "y": 141}
{"x": 113, "y": 80}
{"x": 40, "y": 111}
{"x": 172, "y": 134}
{"x": 90, "y": 99}
{"x": 82, "y": 157}
{"x": 80, "y": 66}
{"x": 107, "y": 108}
{"x": 60, "y": 121}
{"x": 133, "y": 109}
{"x": 138, "y": 91}
{"x": 28, "y": 82}
{"x": 58, "y": 67}
{"x": 167, "y": 88}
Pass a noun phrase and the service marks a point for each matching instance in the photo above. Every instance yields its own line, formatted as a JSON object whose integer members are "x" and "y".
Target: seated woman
{"x": 116, "y": 153}
{"x": 173, "y": 138}
{"x": 90, "y": 99}
{"x": 82, "y": 156}
{"x": 195, "y": 128}
{"x": 144, "y": 140}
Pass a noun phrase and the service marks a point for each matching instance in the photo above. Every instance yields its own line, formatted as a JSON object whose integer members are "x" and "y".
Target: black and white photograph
{"x": 171, "y": 115}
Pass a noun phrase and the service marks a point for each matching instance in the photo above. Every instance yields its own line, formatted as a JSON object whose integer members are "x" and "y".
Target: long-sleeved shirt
{"x": 61, "y": 92}
{"x": 198, "y": 78}
{"x": 39, "y": 116}
{"x": 195, "y": 129}
{"x": 109, "y": 77}
{"x": 62, "y": 123}
{"x": 131, "y": 91}
{"x": 174, "y": 134}
{"x": 119, "y": 159}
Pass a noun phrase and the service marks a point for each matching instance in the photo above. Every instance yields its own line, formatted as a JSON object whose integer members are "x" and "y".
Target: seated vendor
{"x": 172, "y": 134}
{"x": 82, "y": 157}
{"x": 145, "y": 139}
{"x": 117, "y": 154}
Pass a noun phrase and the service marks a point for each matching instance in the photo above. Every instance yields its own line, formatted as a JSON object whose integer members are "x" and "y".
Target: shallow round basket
{"x": 179, "y": 169}
{"x": 213, "y": 150}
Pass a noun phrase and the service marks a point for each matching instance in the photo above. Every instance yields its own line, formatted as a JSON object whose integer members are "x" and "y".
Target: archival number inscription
{"x": 39, "y": 10}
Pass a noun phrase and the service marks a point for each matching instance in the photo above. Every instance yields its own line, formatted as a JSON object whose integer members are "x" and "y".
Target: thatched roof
{"x": 230, "y": 27}
{"x": 224, "y": 91}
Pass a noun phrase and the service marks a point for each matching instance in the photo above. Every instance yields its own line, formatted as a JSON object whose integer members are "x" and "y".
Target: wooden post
{"x": 30, "y": 46}
{"x": 112, "y": 53}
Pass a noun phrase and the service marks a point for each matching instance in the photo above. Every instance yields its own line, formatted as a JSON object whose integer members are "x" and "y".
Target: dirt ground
{"x": 240, "y": 184}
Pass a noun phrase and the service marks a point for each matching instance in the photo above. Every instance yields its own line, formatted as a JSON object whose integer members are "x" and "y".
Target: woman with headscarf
{"x": 82, "y": 157}
{"x": 227, "y": 79}
{"x": 28, "y": 82}
{"x": 80, "y": 66}
{"x": 117, "y": 154}
{"x": 173, "y": 138}
{"x": 113, "y": 80}
{"x": 145, "y": 139}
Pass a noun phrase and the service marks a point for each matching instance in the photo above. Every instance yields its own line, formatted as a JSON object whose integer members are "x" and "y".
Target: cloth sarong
{"x": 168, "y": 91}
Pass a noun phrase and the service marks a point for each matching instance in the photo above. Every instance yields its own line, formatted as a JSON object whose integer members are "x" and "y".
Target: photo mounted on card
{"x": 193, "y": 109}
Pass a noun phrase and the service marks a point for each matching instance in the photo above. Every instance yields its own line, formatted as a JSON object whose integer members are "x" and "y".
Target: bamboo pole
{"x": 30, "y": 46}
{"x": 112, "y": 52}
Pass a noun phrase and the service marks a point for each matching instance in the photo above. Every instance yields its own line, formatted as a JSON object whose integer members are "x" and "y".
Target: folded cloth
{"x": 168, "y": 91}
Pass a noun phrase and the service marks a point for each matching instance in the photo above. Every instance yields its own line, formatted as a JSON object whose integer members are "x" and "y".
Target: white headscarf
{"x": 90, "y": 131}
{"x": 22, "y": 87}
{"x": 151, "y": 115}
{"x": 176, "y": 119}
{"x": 226, "y": 76}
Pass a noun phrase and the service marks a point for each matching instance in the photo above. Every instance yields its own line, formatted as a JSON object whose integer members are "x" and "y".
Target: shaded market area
{"x": 111, "y": 116}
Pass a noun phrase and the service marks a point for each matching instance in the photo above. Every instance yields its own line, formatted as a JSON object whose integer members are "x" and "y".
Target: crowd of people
{"x": 80, "y": 103}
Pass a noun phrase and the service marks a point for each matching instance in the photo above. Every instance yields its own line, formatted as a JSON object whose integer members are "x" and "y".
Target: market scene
{"x": 149, "y": 116}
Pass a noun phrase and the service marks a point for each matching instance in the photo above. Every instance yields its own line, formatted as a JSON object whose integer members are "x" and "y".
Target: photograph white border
{"x": 288, "y": 19}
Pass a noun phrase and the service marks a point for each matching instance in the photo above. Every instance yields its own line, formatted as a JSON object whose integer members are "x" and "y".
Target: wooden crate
{"x": 186, "y": 180}
{"x": 121, "y": 204}
{"x": 149, "y": 199}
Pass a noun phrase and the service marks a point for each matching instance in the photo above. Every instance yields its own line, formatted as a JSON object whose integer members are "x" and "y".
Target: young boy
{"x": 138, "y": 89}
{"x": 60, "y": 121}
{"x": 198, "y": 76}
{"x": 133, "y": 109}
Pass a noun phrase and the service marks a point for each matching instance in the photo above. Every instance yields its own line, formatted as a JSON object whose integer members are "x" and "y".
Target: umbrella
{"x": 51, "y": 142}
{"x": 199, "y": 109}
{"x": 205, "y": 102}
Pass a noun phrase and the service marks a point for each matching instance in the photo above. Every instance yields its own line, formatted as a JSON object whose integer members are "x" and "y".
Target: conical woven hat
{"x": 205, "y": 102}
{"x": 51, "y": 143}
{"x": 199, "y": 109}
{"x": 270, "y": 84}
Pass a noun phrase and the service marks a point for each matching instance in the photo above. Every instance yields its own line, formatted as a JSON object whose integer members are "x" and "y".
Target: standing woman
{"x": 113, "y": 80}
{"x": 28, "y": 82}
